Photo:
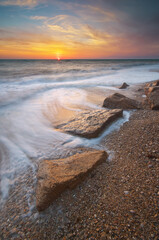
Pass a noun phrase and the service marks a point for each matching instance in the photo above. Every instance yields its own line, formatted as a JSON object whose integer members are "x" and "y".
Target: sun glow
{"x": 58, "y": 55}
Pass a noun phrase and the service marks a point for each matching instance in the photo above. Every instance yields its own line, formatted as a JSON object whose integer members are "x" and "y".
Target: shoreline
{"x": 118, "y": 200}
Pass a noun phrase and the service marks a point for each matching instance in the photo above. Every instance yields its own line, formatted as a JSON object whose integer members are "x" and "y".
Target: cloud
{"x": 20, "y": 3}
{"x": 111, "y": 28}
{"x": 38, "y": 17}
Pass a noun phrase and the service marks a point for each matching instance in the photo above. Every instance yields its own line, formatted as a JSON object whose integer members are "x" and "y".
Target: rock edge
{"x": 90, "y": 124}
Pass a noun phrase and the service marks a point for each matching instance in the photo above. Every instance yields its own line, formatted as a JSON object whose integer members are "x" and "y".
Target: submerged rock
{"x": 55, "y": 176}
{"x": 124, "y": 85}
{"x": 118, "y": 100}
{"x": 90, "y": 124}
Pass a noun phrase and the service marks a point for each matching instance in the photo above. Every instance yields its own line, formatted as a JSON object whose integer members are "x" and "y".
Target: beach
{"x": 117, "y": 200}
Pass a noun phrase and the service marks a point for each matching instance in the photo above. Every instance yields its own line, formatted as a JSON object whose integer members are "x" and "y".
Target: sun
{"x": 58, "y": 55}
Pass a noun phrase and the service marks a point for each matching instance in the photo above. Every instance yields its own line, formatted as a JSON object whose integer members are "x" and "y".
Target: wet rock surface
{"x": 55, "y": 176}
{"x": 118, "y": 100}
{"x": 90, "y": 124}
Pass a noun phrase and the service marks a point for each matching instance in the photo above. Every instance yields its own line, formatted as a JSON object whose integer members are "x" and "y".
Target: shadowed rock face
{"x": 90, "y": 124}
{"x": 118, "y": 100}
{"x": 55, "y": 176}
{"x": 124, "y": 85}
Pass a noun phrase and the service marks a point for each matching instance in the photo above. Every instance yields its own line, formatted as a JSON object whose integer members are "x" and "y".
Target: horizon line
{"x": 62, "y": 59}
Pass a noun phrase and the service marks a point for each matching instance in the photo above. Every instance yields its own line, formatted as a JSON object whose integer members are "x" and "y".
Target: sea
{"x": 35, "y": 95}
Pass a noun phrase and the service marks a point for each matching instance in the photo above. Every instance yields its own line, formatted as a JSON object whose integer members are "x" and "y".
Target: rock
{"x": 152, "y": 89}
{"x": 118, "y": 100}
{"x": 152, "y": 94}
{"x": 124, "y": 85}
{"x": 151, "y": 84}
{"x": 90, "y": 124}
{"x": 156, "y": 83}
{"x": 55, "y": 176}
{"x": 153, "y": 99}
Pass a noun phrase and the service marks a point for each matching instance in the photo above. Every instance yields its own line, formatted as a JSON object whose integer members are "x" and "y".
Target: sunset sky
{"x": 70, "y": 29}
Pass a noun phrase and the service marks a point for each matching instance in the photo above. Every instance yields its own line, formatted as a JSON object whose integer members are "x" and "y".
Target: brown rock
{"x": 151, "y": 85}
{"x": 152, "y": 93}
{"x": 153, "y": 97}
{"x": 156, "y": 83}
{"x": 152, "y": 89}
{"x": 118, "y": 100}
{"x": 90, "y": 124}
{"x": 124, "y": 85}
{"x": 55, "y": 176}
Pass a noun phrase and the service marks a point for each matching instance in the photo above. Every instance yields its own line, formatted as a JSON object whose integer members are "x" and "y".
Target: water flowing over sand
{"x": 35, "y": 95}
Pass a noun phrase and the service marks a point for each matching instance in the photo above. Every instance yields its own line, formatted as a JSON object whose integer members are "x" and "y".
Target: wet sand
{"x": 118, "y": 200}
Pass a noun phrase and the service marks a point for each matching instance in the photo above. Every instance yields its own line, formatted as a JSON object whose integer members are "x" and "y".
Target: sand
{"x": 118, "y": 200}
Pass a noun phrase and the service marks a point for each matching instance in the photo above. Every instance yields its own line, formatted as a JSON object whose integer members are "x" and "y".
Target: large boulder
{"x": 118, "y": 100}
{"x": 124, "y": 85}
{"x": 90, "y": 124}
{"x": 55, "y": 176}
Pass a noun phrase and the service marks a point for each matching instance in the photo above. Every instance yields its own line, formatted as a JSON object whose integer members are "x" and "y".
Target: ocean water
{"x": 36, "y": 94}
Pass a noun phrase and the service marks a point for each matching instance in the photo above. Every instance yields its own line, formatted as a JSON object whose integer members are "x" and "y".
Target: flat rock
{"x": 55, "y": 176}
{"x": 118, "y": 100}
{"x": 124, "y": 86}
{"x": 90, "y": 124}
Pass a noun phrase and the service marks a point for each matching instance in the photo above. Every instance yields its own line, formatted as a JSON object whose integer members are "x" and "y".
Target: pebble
{"x": 126, "y": 192}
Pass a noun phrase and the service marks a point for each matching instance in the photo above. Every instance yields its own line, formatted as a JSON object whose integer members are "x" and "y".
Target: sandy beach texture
{"x": 118, "y": 200}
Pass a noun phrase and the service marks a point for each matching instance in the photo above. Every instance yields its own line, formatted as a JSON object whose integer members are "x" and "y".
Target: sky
{"x": 84, "y": 29}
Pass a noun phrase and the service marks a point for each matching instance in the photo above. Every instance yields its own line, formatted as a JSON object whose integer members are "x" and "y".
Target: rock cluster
{"x": 152, "y": 93}
{"x": 118, "y": 100}
{"x": 55, "y": 176}
{"x": 90, "y": 124}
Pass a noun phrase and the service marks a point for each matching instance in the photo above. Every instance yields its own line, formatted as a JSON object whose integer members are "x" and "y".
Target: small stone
{"x": 132, "y": 211}
{"x": 126, "y": 192}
